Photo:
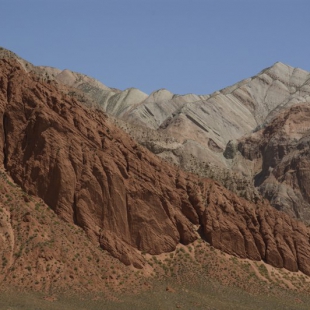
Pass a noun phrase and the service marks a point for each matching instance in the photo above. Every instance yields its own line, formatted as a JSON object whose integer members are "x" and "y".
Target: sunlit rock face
{"x": 201, "y": 133}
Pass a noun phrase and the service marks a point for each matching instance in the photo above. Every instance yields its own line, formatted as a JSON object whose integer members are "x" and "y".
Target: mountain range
{"x": 94, "y": 177}
{"x": 198, "y": 132}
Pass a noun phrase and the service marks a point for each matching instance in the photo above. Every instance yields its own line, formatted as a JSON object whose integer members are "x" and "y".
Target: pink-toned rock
{"x": 280, "y": 153}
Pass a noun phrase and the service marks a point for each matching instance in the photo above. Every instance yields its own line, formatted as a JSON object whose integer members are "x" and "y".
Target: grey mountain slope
{"x": 262, "y": 96}
{"x": 196, "y": 133}
{"x": 213, "y": 120}
{"x": 209, "y": 120}
{"x": 111, "y": 100}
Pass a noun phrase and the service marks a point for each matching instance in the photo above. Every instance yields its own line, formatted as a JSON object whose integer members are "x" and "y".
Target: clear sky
{"x": 185, "y": 46}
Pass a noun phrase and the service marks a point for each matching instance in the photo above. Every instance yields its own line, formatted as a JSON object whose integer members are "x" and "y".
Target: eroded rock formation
{"x": 280, "y": 154}
{"x": 253, "y": 231}
{"x": 90, "y": 172}
{"x": 125, "y": 198}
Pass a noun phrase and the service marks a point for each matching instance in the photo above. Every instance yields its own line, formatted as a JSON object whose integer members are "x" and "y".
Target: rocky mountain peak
{"x": 79, "y": 197}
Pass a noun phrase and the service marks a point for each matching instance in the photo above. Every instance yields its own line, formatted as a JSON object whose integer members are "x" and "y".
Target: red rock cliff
{"x": 92, "y": 174}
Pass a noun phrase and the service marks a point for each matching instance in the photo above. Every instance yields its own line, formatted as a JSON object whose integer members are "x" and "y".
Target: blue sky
{"x": 185, "y": 46}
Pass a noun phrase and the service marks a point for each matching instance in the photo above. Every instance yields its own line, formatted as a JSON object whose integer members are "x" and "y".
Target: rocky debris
{"x": 170, "y": 289}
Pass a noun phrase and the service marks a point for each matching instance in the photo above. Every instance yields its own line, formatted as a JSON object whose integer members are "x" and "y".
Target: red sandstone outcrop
{"x": 90, "y": 172}
{"x": 125, "y": 198}
{"x": 253, "y": 231}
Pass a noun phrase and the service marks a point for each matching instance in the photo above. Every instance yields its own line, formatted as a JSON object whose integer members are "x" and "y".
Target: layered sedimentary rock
{"x": 88, "y": 171}
{"x": 209, "y": 120}
{"x": 195, "y": 132}
{"x": 280, "y": 156}
{"x": 124, "y": 197}
{"x": 253, "y": 231}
